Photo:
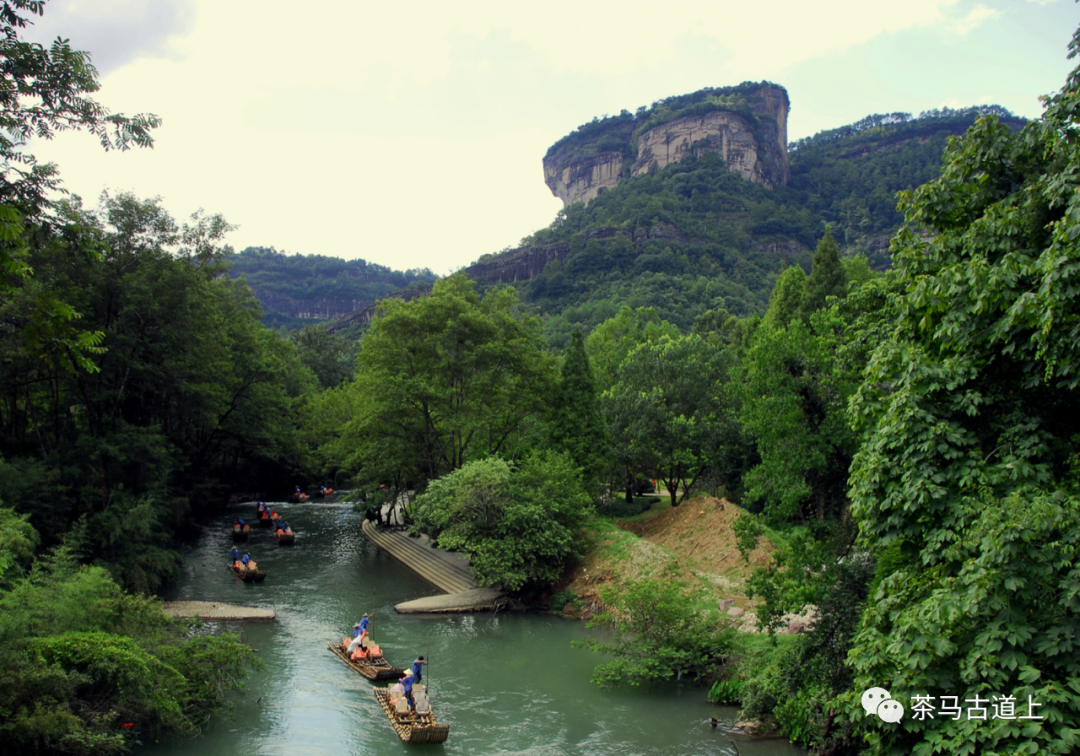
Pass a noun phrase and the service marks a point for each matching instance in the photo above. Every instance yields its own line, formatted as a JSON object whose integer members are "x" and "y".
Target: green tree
{"x": 827, "y": 278}
{"x": 669, "y": 412}
{"x": 969, "y": 462}
{"x": 577, "y": 424}
{"x": 88, "y": 669}
{"x": 660, "y": 632}
{"x": 611, "y": 341}
{"x": 788, "y": 299}
{"x": 43, "y": 92}
{"x": 329, "y": 356}
{"x": 519, "y": 524}
{"x": 193, "y": 397}
{"x": 445, "y": 379}
{"x": 794, "y": 402}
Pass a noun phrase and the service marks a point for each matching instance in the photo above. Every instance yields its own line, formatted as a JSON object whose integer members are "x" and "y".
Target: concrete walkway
{"x": 208, "y": 611}
{"x": 446, "y": 570}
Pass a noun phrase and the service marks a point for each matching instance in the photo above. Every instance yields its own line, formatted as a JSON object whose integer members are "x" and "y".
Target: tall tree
{"x": 43, "y": 92}
{"x": 794, "y": 402}
{"x": 827, "y": 277}
{"x": 444, "y": 379}
{"x": 577, "y": 424}
{"x": 788, "y": 299}
{"x": 669, "y": 410}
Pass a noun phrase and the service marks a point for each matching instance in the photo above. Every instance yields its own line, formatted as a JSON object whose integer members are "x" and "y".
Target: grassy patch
{"x": 754, "y": 657}
{"x": 657, "y": 505}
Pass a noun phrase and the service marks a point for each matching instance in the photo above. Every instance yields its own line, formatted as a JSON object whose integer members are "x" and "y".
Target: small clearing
{"x": 693, "y": 542}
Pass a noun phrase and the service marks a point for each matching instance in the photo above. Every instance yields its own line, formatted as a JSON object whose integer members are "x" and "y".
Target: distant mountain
{"x": 703, "y": 231}
{"x": 298, "y": 289}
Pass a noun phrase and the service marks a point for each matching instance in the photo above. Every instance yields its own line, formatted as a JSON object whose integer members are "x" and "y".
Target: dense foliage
{"x": 440, "y": 381}
{"x": 88, "y": 669}
{"x": 190, "y": 396}
{"x": 136, "y": 382}
{"x": 659, "y": 633}
{"x": 297, "y": 289}
{"x": 970, "y": 452}
{"x": 519, "y": 523}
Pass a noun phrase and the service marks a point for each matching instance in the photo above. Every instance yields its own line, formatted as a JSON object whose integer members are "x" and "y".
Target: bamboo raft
{"x": 417, "y": 728}
{"x": 266, "y": 521}
{"x": 285, "y": 539}
{"x": 241, "y": 534}
{"x": 248, "y": 575}
{"x": 372, "y": 669}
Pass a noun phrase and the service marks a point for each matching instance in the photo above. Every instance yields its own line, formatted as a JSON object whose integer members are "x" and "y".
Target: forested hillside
{"x": 695, "y": 236}
{"x": 303, "y": 289}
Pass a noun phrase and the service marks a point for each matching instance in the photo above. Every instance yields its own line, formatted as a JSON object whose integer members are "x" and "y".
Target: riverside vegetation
{"x": 903, "y": 438}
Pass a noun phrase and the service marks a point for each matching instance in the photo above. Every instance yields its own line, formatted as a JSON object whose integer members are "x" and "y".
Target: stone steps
{"x": 434, "y": 565}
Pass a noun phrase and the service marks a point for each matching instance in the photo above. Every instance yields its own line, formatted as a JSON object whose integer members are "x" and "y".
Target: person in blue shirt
{"x": 363, "y": 624}
{"x": 246, "y": 558}
{"x": 407, "y": 681}
{"x": 418, "y": 669}
{"x": 235, "y": 554}
{"x": 240, "y": 522}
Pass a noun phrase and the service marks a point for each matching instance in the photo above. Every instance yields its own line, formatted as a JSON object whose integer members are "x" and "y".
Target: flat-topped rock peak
{"x": 746, "y": 125}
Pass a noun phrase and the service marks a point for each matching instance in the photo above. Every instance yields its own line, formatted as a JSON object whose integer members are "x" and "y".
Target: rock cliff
{"x": 746, "y": 125}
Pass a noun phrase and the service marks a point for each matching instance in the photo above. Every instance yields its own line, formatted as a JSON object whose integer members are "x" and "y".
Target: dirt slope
{"x": 693, "y": 542}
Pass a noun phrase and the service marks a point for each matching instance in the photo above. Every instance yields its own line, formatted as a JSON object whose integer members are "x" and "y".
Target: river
{"x": 508, "y": 683}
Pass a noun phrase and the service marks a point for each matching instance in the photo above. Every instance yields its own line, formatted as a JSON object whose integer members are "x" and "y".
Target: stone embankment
{"x": 447, "y": 571}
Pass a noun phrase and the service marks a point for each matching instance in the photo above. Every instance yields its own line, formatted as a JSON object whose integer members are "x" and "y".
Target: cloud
{"x": 975, "y": 17}
{"x": 115, "y": 32}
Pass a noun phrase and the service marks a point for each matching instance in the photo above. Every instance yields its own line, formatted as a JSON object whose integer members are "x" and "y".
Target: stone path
{"x": 216, "y": 611}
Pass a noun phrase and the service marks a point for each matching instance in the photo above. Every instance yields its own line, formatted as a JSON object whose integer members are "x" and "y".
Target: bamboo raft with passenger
{"x": 247, "y": 575}
{"x": 373, "y": 669}
{"x": 241, "y": 533}
{"x": 412, "y": 727}
{"x": 285, "y": 539}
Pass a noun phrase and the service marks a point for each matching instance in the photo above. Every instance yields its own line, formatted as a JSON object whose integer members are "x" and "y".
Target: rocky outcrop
{"x": 583, "y": 178}
{"x": 319, "y": 308}
{"x": 366, "y": 313}
{"x": 745, "y": 125}
{"x": 728, "y": 134}
{"x": 528, "y": 262}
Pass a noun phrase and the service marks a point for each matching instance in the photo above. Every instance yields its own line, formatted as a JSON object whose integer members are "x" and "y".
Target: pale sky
{"x": 412, "y": 135}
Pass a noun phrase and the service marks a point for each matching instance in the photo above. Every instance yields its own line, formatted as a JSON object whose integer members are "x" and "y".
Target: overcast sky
{"x": 412, "y": 134}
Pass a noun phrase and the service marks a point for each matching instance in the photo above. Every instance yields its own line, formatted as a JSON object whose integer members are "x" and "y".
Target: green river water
{"x": 509, "y": 683}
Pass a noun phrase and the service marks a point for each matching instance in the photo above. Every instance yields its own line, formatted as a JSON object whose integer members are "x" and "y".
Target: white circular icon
{"x": 872, "y": 698}
{"x": 890, "y": 710}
